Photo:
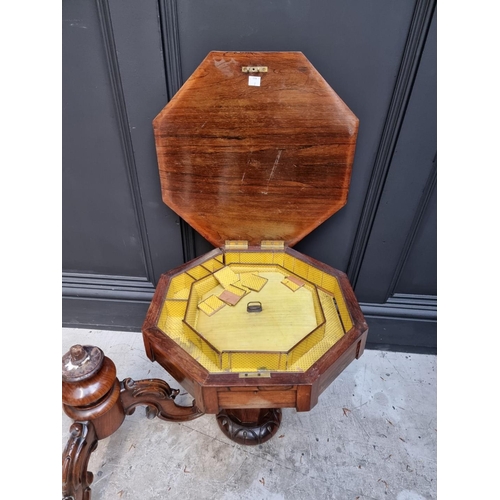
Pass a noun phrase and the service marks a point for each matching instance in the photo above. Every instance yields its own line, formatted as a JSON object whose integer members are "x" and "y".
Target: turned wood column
{"x": 91, "y": 397}
{"x": 90, "y": 389}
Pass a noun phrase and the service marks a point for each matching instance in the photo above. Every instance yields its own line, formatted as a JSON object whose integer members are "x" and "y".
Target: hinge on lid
{"x": 236, "y": 245}
{"x": 272, "y": 245}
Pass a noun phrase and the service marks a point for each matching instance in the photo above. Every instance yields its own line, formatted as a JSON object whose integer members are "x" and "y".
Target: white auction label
{"x": 254, "y": 81}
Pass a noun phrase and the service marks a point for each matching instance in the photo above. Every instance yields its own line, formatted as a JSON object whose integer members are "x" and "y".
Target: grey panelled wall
{"x": 118, "y": 237}
{"x": 397, "y": 276}
{"x": 123, "y": 60}
{"x": 99, "y": 210}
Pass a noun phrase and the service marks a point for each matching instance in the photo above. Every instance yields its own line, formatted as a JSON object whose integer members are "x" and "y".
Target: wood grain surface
{"x": 268, "y": 162}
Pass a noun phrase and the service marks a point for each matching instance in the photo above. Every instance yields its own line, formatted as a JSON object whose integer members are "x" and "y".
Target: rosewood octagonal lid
{"x": 255, "y": 146}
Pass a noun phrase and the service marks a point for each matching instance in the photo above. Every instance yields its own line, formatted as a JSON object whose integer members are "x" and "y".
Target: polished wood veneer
{"x": 254, "y": 152}
{"x": 255, "y": 163}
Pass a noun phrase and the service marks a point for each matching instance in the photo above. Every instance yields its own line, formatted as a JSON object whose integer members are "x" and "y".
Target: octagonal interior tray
{"x": 208, "y": 312}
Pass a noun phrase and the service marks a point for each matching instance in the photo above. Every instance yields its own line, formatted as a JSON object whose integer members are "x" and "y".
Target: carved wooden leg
{"x": 98, "y": 402}
{"x": 76, "y": 479}
{"x": 250, "y": 426}
{"x": 158, "y": 398}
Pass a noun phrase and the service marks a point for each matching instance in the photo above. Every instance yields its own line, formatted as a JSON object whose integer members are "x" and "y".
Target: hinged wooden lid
{"x": 255, "y": 146}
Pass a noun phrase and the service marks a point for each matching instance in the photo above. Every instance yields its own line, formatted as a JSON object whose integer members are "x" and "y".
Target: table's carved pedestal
{"x": 98, "y": 403}
{"x": 250, "y": 426}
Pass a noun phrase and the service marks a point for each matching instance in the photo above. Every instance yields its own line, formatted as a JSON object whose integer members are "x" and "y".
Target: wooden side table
{"x": 255, "y": 151}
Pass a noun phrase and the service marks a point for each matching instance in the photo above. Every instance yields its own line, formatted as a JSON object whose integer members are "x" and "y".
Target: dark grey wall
{"x": 123, "y": 60}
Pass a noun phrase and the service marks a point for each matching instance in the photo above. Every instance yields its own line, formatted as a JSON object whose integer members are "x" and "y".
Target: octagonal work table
{"x": 254, "y": 152}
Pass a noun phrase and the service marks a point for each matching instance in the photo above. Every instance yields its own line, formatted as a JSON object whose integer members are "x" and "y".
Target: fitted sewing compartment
{"x": 254, "y": 152}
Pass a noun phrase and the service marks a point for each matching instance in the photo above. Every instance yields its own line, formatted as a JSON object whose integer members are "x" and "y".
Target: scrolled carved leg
{"x": 97, "y": 402}
{"x": 158, "y": 398}
{"x": 249, "y": 427}
{"x": 76, "y": 479}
